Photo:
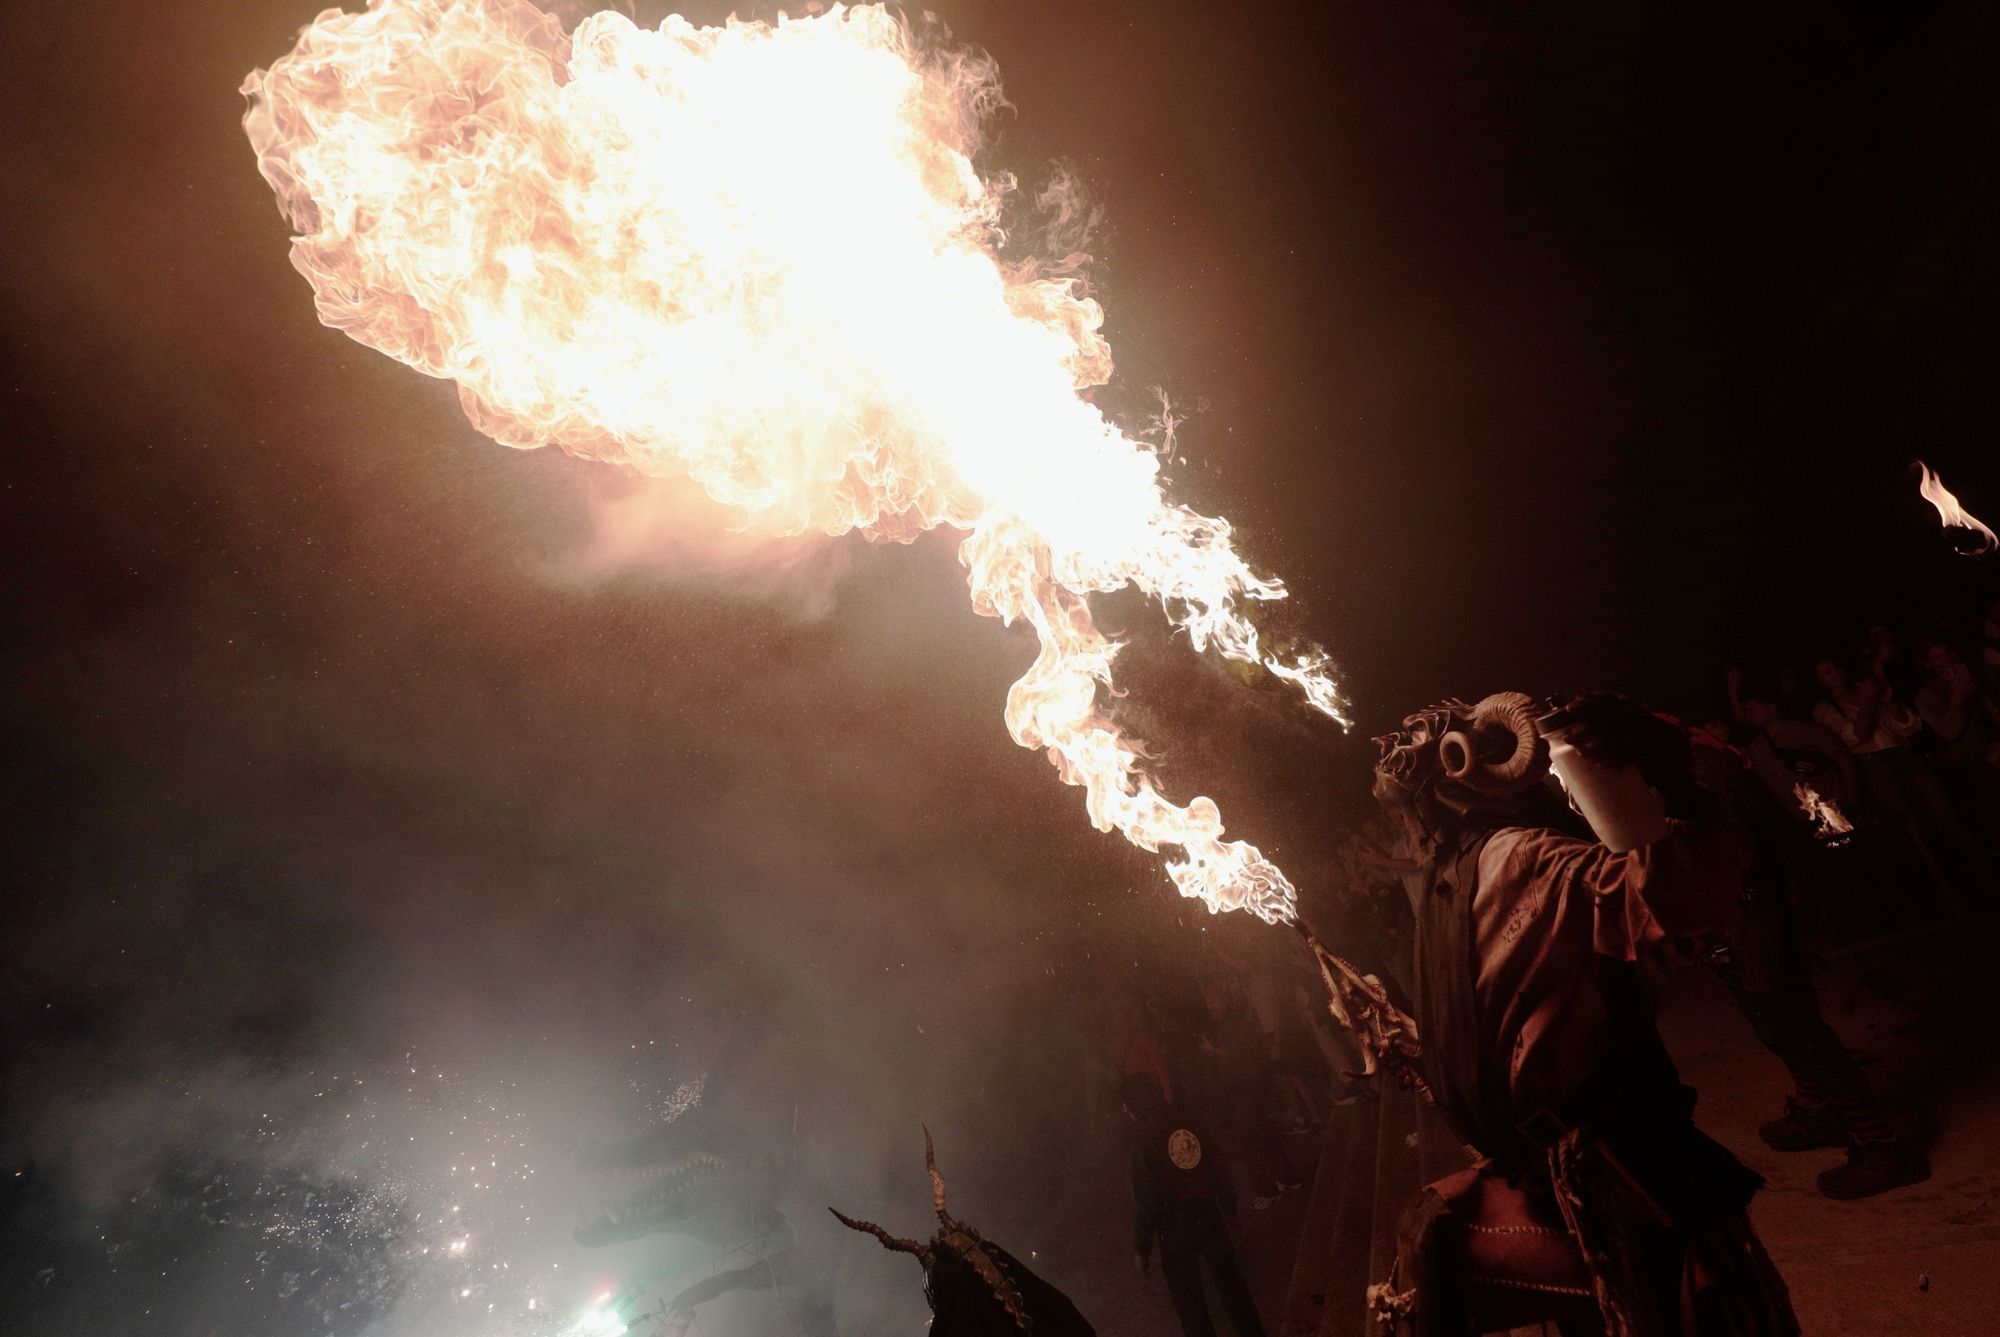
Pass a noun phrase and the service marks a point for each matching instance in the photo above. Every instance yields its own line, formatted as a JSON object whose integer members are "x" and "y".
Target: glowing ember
{"x": 1827, "y": 819}
{"x": 1953, "y": 515}
{"x": 759, "y": 256}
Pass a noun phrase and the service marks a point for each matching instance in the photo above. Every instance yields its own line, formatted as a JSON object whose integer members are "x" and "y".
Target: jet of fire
{"x": 760, "y": 256}
{"x": 1953, "y": 515}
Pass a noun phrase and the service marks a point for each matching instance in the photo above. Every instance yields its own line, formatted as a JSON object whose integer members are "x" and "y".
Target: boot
{"x": 1875, "y": 1167}
{"x": 1804, "y": 1128}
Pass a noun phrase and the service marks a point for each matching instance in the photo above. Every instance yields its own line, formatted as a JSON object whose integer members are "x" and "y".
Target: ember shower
{"x": 760, "y": 256}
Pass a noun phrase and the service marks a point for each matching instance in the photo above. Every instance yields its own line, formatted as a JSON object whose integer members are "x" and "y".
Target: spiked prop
{"x": 1386, "y": 1034}
{"x": 953, "y": 1237}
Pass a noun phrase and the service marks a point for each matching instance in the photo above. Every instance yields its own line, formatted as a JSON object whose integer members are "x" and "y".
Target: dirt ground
{"x": 1923, "y": 1259}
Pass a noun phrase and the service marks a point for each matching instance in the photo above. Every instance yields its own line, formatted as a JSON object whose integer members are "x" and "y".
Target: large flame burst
{"x": 760, "y": 256}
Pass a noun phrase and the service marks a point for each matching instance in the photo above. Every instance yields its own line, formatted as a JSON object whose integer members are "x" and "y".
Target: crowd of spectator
{"x": 1902, "y": 733}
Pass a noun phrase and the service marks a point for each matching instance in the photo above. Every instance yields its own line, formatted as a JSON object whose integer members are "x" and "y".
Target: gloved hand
{"x": 1617, "y": 732}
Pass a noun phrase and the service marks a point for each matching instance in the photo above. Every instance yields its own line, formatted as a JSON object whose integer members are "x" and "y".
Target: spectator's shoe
{"x": 1287, "y": 1185}
{"x": 1262, "y": 1202}
{"x": 1875, "y": 1167}
{"x": 1804, "y": 1128}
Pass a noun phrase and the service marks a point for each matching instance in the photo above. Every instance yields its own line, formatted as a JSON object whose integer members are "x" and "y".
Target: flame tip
{"x": 1953, "y": 515}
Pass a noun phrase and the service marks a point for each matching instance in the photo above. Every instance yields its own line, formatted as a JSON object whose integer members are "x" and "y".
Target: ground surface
{"x": 1924, "y": 1259}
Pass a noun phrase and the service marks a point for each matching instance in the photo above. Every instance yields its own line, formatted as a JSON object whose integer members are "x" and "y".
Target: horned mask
{"x": 1453, "y": 759}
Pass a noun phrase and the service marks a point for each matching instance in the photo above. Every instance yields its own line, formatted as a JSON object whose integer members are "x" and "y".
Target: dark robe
{"x": 1541, "y": 1048}
{"x": 963, "y": 1305}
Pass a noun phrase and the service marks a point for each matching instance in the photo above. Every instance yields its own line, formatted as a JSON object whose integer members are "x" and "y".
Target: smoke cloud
{"x": 397, "y": 814}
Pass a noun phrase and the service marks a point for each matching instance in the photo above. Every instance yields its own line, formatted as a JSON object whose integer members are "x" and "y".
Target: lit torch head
{"x": 1979, "y": 540}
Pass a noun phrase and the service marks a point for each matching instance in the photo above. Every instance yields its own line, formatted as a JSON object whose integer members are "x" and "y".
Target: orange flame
{"x": 759, "y": 255}
{"x": 1827, "y": 818}
{"x": 1953, "y": 515}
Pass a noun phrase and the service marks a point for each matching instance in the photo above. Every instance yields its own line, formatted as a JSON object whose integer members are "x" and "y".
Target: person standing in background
{"x": 1762, "y": 963}
{"x": 1787, "y": 753}
{"x": 1182, "y": 1199}
{"x": 1951, "y": 703}
{"x": 1876, "y": 728}
{"x": 1240, "y": 1054}
{"x": 1135, "y": 1049}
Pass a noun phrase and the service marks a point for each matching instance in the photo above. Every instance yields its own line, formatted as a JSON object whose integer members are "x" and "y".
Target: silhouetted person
{"x": 1182, "y": 1198}
{"x": 1786, "y": 753}
{"x": 1764, "y": 967}
{"x": 1242, "y": 1064}
{"x": 1952, "y": 704}
{"x": 1135, "y": 1049}
{"x": 975, "y": 1287}
{"x": 1876, "y": 728}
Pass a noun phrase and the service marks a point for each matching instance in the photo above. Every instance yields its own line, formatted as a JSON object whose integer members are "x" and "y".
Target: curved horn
{"x": 890, "y": 1242}
{"x": 937, "y": 1180}
{"x": 1513, "y": 711}
{"x": 1457, "y": 754}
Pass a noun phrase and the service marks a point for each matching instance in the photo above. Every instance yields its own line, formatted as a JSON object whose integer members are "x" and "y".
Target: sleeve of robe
{"x": 1685, "y": 884}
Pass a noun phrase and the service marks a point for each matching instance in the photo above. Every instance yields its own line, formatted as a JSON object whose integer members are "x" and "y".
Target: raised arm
{"x": 1685, "y": 884}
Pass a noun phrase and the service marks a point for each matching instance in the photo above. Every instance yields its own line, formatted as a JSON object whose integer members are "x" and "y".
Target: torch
{"x": 1386, "y": 1034}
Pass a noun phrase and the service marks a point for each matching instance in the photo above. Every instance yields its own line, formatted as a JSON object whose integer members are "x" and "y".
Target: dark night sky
{"x": 1535, "y": 345}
